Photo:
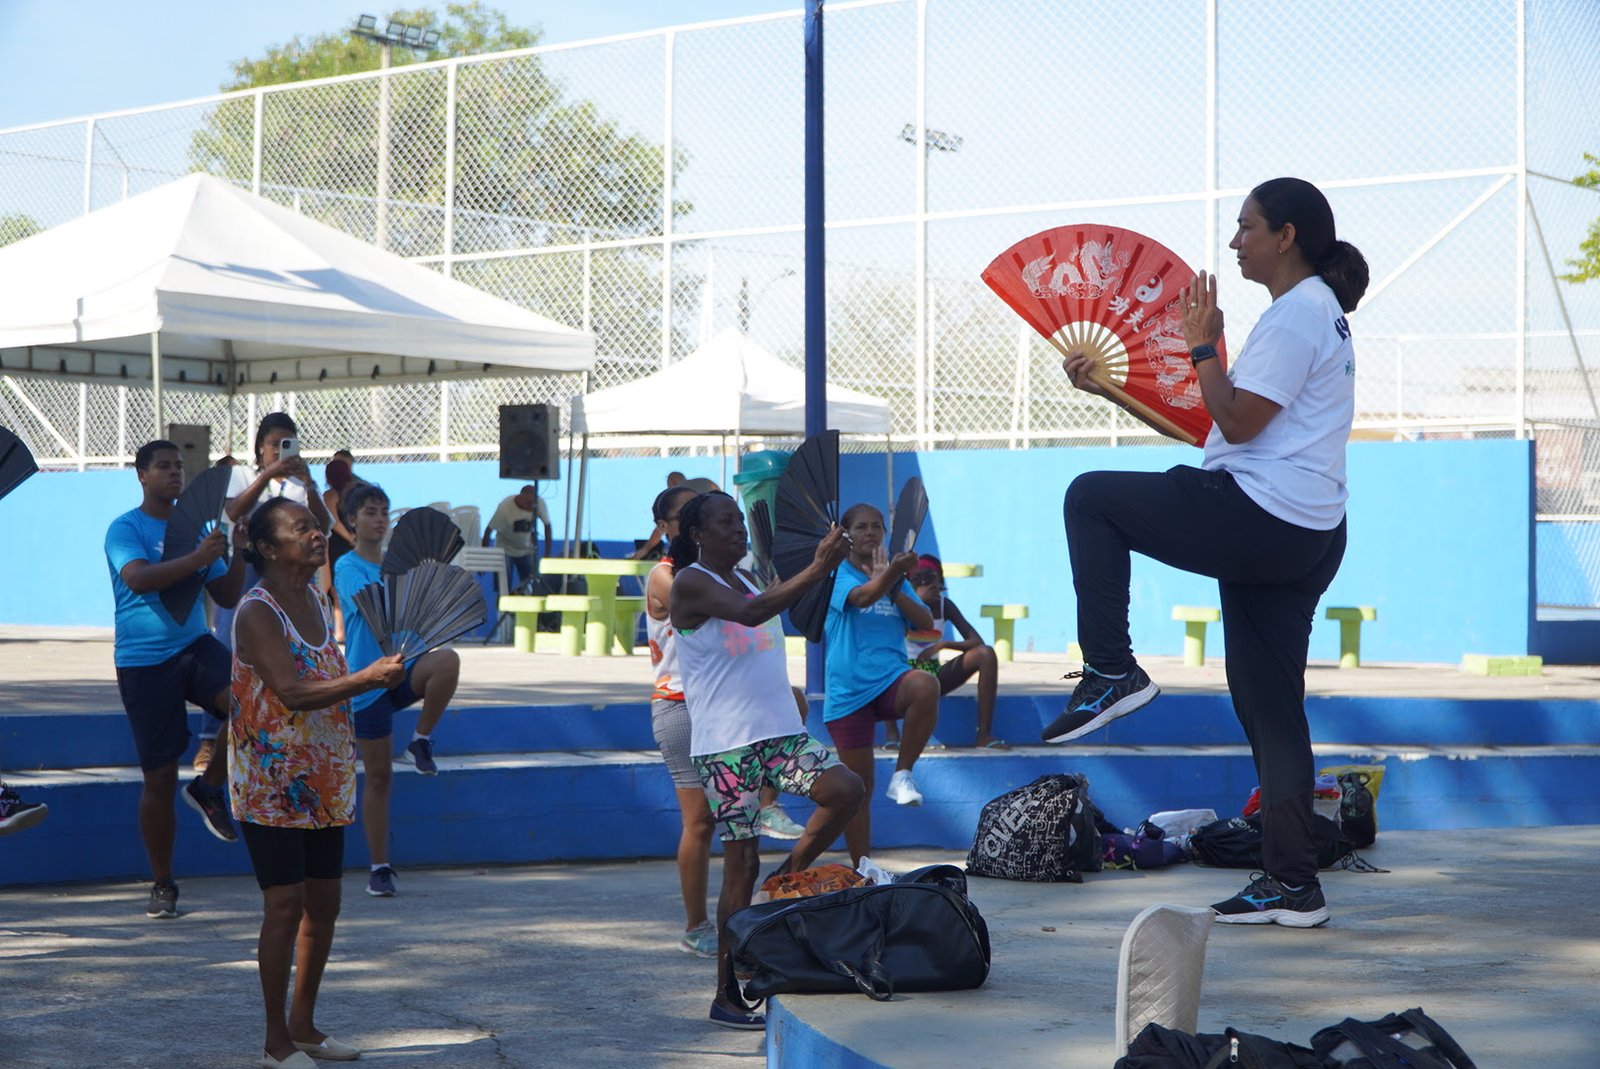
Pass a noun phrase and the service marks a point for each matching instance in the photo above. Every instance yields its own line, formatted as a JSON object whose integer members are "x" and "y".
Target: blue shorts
{"x": 154, "y": 696}
{"x": 376, "y": 721}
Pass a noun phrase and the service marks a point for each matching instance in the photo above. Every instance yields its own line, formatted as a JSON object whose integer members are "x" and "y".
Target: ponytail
{"x": 1338, "y": 263}
{"x": 1344, "y": 269}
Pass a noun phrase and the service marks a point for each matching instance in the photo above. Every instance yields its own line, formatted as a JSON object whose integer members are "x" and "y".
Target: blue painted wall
{"x": 1441, "y": 537}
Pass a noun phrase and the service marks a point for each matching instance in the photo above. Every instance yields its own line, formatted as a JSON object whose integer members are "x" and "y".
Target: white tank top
{"x": 663, "y": 648}
{"x": 917, "y": 641}
{"x": 736, "y": 682}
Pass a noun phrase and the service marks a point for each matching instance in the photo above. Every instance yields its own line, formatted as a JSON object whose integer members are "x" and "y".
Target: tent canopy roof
{"x": 730, "y": 385}
{"x": 248, "y": 294}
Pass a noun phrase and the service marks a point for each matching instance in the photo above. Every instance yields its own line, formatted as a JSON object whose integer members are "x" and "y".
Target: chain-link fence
{"x": 650, "y": 189}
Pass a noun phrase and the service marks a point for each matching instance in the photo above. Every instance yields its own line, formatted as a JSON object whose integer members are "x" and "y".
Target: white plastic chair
{"x": 470, "y": 521}
{"x": 491, "y": 559}
{"x": 1159, "y": 970}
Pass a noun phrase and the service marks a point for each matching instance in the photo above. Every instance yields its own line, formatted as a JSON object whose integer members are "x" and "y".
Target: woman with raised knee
{"x": 868, "y": 678}
{"x": 1264, "y": 515}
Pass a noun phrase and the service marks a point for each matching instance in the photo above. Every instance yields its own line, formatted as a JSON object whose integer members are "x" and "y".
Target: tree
{"x": 1588, "y": 266}
{"x": 16, "y": 226}
{"x": 534, "y": 165}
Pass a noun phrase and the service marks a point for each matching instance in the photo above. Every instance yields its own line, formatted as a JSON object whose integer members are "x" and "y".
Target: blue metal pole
{"x": 815, "y": 277}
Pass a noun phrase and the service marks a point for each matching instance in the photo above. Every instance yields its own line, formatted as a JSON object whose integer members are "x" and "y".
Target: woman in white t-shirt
{"x": 1264, "y": 514}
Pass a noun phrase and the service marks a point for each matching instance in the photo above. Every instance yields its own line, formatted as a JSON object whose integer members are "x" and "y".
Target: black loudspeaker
{"x": 194, "y": 445}
{"x": 530, "y": 445}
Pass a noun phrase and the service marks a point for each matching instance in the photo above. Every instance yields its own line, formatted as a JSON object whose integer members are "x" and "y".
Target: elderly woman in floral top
{"x": 292, "y": 771}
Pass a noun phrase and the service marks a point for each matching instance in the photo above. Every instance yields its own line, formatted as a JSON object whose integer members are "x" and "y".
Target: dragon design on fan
{"x": 1091, "y": 270}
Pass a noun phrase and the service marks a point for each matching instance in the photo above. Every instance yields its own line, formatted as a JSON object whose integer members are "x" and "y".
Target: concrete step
{"x": 610, "y": 803}
{"x": 1193, "y": 718}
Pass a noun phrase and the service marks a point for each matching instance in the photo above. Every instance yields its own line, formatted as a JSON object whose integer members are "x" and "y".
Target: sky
{"x": 125, "y": 55}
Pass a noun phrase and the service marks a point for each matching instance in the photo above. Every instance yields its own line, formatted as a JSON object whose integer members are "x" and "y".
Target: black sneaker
{"x": 421, "y": 751}
{"x": 1098, "y": 700}
{"x": 1266, "y": 901}
{"x": 17, "y": 815}
{"x": 212, "y": 805}
{"x": 163, "y": 901}
{"x": 381, "y": 883}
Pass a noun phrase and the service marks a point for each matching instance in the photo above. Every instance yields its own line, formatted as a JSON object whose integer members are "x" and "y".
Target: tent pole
{"x": 155, "y": 379}
{"x": 567, "y": 526}
{"x": 583, "y": 484}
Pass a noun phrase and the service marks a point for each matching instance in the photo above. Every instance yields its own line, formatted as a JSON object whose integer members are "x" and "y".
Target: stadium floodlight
{"x": 395, "y": 32}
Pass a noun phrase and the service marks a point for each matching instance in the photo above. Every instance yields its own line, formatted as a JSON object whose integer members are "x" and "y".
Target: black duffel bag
{"x": 919, "y": 933}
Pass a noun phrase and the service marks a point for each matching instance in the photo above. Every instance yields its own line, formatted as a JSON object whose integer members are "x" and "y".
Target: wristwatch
{"x": 1202, "y": 352}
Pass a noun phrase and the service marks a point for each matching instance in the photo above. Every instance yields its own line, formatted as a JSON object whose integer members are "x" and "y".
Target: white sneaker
{"x": 902, "y": 789}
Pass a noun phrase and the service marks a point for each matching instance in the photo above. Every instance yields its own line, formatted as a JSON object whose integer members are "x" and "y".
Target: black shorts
{"x": 285, "y": 856}
{"x": 154, "y": 697}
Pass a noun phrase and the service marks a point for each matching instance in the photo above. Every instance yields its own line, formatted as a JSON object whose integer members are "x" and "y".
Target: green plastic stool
{"x": 1195, "y": 618}
{"x": 1350, "y": 617}
{"x": 627, "y": 622}
{"x": 524, "y": 612}
{"x": 573, "y": 609}
{"x": 1005, "y": 619}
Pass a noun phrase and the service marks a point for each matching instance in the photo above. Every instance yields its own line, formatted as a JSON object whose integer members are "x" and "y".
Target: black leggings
{"x": 1270, "y": 573}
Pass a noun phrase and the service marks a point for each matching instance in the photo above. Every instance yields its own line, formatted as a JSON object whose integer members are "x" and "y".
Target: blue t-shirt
{"x": 350, "y": 573}
{"x": 866, "y": 646}
{"x": 145, "y": 633}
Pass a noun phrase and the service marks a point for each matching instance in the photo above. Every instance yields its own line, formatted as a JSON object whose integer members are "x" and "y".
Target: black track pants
{"x": 1270, "y": 573}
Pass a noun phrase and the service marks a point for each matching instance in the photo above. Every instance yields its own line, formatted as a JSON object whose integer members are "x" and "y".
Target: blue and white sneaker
{"x": 748, "y": 1018}
{"x": 421, "y": 753}
{"x": 774, "y": 823}
{"x": 1266, "y": 901}
{"x": 701, "y": 940}
{"x": 1098, "y": 700}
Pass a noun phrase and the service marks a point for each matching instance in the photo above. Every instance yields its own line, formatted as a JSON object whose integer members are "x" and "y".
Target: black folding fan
{"x": 16, "y": 463}
{"x": 909, "y": 512}
{"x": 196, "y": 513}
{"x": 761, "y": 542}
{"x": 422, "y": 535}
{"x": 808, "y": 508}
{"x": 422, "y": 608}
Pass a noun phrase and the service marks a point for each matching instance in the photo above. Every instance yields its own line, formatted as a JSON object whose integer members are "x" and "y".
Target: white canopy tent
{"x": 201, "y": 285}
{"x": 729, "y": 387}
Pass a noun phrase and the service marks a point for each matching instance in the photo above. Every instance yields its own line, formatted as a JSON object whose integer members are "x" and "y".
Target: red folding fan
{"x": 1113, "y": 294}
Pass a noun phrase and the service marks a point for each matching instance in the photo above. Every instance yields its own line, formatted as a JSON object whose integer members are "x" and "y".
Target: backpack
{"x": 1406, "y": 1040}
{"x": 1045, "y": 832}
{"x": 1164, "y": 1048}
{"x": 1235, "y": 843}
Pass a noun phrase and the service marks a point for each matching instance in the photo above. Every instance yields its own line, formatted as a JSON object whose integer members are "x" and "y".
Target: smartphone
{"x": 289, "y": 447}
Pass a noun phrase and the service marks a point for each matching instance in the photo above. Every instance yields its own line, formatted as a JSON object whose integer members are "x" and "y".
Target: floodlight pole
{"x": 381, "y": 225}
{"x": 816, "y": 323}
{"x": 395, "y": 33}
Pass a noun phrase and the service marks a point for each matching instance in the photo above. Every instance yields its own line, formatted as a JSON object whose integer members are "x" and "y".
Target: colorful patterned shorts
{"x": 733, "y": 779}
